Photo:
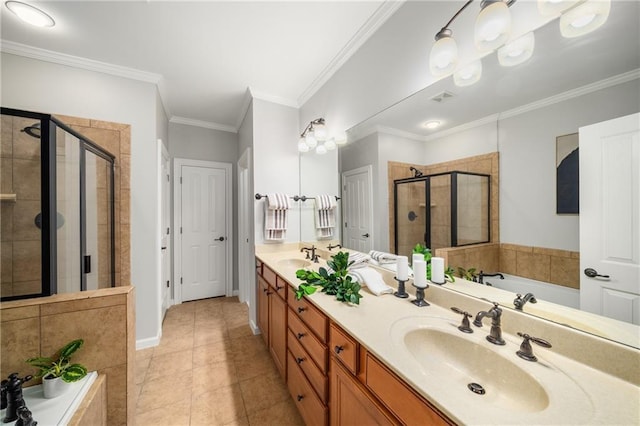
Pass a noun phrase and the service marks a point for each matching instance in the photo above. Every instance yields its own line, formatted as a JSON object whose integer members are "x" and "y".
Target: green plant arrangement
{"x": 338, "y": 283}
{"x": 424, "y": 250}
{"x": 61, "y": 365}
{"x": 467, "y": 274}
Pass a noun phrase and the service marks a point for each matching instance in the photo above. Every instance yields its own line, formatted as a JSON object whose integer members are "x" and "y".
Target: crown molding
{"x": 392, "y": 131}
{"x": 77, "y": 62}
{"x": 203, "y": 124}
{"x": 375, "y": 21}
{"x": 246, "y": 102}
{"x": 274, "y": 99}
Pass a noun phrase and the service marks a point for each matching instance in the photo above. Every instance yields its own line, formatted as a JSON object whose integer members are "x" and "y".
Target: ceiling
{"x": 204, "y": 55}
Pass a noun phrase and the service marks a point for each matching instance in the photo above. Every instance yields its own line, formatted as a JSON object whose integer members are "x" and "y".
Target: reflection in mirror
{"x": 507, "y": 124}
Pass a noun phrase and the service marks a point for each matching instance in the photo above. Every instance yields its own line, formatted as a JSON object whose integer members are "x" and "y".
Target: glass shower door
{"x": 411, "y": 215}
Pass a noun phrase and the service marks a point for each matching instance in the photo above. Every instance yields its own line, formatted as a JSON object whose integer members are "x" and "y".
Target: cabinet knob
{"x": 301, "y": 310}
{"x": 279, "y": 288}
{"x": 338, "y": 349}
{"x": 300, "y": 335}
{"x": 299, "y": 360}
{"x": 300, "y": 398}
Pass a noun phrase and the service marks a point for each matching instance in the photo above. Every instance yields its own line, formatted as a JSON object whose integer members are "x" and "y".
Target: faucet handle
{"x": 465, "y": 327}
{"x": 526, "y": 351}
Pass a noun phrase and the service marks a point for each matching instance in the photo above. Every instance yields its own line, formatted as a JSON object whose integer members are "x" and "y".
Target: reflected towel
{"x": 360, "y": 260}
{"x": 382, "y": 257}
{"x": 372, "y": 279}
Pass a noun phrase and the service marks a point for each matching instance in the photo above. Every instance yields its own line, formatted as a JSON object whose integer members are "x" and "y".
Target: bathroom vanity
{"x": 387, "y": 361}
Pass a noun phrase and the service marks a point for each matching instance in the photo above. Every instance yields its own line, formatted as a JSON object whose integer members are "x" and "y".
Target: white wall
{"x": 275, "y": 160}
{"x": 35, "y": 85}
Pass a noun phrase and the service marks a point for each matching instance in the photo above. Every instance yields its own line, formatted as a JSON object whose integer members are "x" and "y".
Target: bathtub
{"x": 553, "y": 293}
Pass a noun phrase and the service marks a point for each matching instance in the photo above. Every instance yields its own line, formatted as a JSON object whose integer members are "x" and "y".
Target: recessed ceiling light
{"x": 30, "y": 14}
{"x": 432, "y": 124}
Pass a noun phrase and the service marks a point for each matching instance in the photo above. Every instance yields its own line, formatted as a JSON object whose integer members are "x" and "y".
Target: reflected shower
{"x": 33, "y": 130}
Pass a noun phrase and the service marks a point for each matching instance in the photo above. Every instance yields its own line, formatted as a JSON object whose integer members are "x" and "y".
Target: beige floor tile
{"x": 284, "y": 413}
{"x": 239, "y": 330}
{"x": 165, "y": 391}
{"x": 174, "y": 343}
{"x": 170, "y": 364}
{"x": 263, "y": 391}
{"x": 218, "y": 407}
{"x": 207, "y": 335}
{"x": 144, "y": 353}
{"x": 213, "y": 376}
{"x": 142, "y": 366}
{"x": 248, "y": 345}
{"x": 239, "y": 422}
{"x": 212, "y": 353}
{"x": 176, "y": 414}
{"x": 253, "y": 365}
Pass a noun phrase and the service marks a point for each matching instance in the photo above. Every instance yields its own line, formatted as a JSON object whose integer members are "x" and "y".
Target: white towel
{"x": 325, "y": 217}
{"x": 360, "y": 260}
{"x": 372, "y": 279}
{"x": 382, "y": 257}
{"x": 275, "y": 217}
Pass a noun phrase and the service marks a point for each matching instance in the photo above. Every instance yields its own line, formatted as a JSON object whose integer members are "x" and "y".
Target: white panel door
{"x": 358, "y": 209}
{"x": 203, "y": 232}
{"x": 609, "y": 218}
{"x": 165, "y": 203}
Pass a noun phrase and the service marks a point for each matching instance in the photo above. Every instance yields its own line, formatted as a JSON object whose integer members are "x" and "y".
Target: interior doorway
{"x": 357, "y": 202}
{"x": 204, "y": 228}
{"x": 165, "y": 228}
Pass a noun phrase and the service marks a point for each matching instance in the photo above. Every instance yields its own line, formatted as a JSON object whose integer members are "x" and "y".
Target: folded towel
{"x": 382, "y": 257}
{"x": 372, "y": 279}
{"x": 275, "y": 217}
{"x": 278, "y": 201}
{"x": 360, "y": 260}
{"x": 324, "y": 215}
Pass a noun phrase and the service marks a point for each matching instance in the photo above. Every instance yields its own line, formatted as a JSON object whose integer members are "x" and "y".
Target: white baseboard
{"x": 147, "y": 343}
{"x": 254, "y": 328}
{"x": 236, "y": 292}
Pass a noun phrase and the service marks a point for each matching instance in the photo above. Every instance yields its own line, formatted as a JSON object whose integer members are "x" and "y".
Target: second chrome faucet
{"x": 495, "y": 335}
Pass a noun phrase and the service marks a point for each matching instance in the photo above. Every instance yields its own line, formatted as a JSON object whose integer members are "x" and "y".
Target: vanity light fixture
{"x": 468, "y": 75}
{"x": 316, "y": 137}
{"x": 30, "y": 14}
{"x": 554, "y": 7}
{"x": 584, "y": 18}
{"x": 517, "y": 51}
{"x": 330, "y": 144}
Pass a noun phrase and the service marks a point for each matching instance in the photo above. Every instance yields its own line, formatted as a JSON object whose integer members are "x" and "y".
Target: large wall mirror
{"x": 519, "y": 113}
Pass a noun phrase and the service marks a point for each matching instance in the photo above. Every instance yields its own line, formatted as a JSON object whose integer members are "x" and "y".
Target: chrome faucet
{"x": 495, "y": 335}
{"x": 520, "y": 301}
{"x": 481, "y": 276}
{"x": 314, "y": 257}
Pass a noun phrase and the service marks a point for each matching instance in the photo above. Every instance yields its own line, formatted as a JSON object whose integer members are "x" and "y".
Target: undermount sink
{"x": 463, "y": 362}
{"x": 293, "y": 263}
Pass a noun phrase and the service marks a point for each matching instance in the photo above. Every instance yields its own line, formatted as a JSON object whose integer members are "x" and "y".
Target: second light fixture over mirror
{"x": 316, "y": 137}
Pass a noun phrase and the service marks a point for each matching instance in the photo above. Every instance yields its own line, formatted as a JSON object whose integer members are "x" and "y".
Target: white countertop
{"x": 580, "y": 394}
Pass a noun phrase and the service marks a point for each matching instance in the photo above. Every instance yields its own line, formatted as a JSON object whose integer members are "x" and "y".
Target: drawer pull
{"x": 299, "y": 360}
{"x": 300, "y": 398}
{"x": 338, "y": 349}
{"x": 269, "y": 293}
{"x": 301, "y": 335}
{"x": 301, "y": 310}
{"x": 279, "y": 288}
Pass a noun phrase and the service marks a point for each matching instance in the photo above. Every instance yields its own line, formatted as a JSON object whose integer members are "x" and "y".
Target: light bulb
{"x": 340, "y": 138}
{"x": 30, "y": 14}
{"x": 330, "y": 144}
{"x": 584, "y": 18}
{"x": 320, "y": 132}
{"x": 311, "y": 140}
{"x": 444, "y": 55}
{"x": 517, "y": 51}
{"x": 302, "y": 145}
{"x": 469, "y": 74}
{"x": 493, "y": 26}
{"x": 321, "y": 149}
{"x": 554, "y": 7}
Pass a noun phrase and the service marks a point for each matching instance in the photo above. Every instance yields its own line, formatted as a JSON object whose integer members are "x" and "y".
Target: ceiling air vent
{"x": 442, "y": 97}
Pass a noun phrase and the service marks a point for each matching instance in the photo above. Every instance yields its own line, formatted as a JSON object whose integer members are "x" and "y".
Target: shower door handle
{"x": 87, "y": 264}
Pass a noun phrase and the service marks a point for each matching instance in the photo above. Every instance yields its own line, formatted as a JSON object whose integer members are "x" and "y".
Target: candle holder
{"x": 401, "y": 293}
{"x": 419, "y": 301}
{"x": 436, "y": 283}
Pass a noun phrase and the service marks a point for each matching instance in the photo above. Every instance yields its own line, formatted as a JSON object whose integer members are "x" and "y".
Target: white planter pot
{"x": 54, "y": 387}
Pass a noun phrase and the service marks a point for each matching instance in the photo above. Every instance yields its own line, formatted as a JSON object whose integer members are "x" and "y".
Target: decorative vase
{"x": 53, "y": 387}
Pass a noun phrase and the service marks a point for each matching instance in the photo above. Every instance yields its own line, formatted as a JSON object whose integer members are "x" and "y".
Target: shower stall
{"x": 56, "y": 208}
{"x": 441, "y": 210}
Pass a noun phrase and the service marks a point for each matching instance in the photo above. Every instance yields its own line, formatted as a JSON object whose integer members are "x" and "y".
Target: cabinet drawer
{"x": 408, "y": 406}
{"x": 309, "y": 341}
{"x": 313, "y": 411}
{"x": 343, "y": 347}
{"x": 269, "y": 276}
{"x": 281, "y": 287}
{"x": 311, "y": 316}
{"x": 316, "y": 378}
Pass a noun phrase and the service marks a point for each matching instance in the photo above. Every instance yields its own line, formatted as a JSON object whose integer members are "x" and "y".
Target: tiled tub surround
{"x": 104, "y": 318}
{"x": 612, "y": 387}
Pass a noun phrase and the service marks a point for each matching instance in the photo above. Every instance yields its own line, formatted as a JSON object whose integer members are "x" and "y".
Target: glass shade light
{"x": 340, "y": 138}
{"x": 431, "y": 124}
{"x": 493, "y": 25}
{"x": 30, "y": 14}
{"x": 584, "y": 18}
{"x": 444, "y": 56}
{"x": 517, "y": 51}
{"x": 469, "y": 74}
{"x": 320, "y": 132}
{"x": 302, "y": 145}
{"x": 554, "y": 7}
{"x": 321, "y": 149}
{"x": 311, "y": 140}
{"x": 330, "y": 144}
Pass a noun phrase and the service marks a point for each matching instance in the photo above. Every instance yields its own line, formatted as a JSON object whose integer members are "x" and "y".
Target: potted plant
{"x": 57, "y": 372}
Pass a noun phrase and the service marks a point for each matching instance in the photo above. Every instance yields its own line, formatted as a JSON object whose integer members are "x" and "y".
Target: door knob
{"x": 220, "y": 239}
{"x": 592, "y": 273}
{"x": 366, "y": 235}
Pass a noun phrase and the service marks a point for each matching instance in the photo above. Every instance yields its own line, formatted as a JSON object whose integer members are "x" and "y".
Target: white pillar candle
{"x": 420, "y": 274}
{"x": 416, "y": 256}
{"x": 402, "y": 268}
{"x": 437, "y": 270}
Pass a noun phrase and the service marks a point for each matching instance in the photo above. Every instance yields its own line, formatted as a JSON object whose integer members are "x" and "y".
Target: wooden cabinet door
{"x": 351, "y": 403}
{"x": 278, "y": 332}
{"x": 263, "y": 308}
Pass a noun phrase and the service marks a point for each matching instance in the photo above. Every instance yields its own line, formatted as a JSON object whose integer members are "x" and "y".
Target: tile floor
{"x": 209, "y": 369}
